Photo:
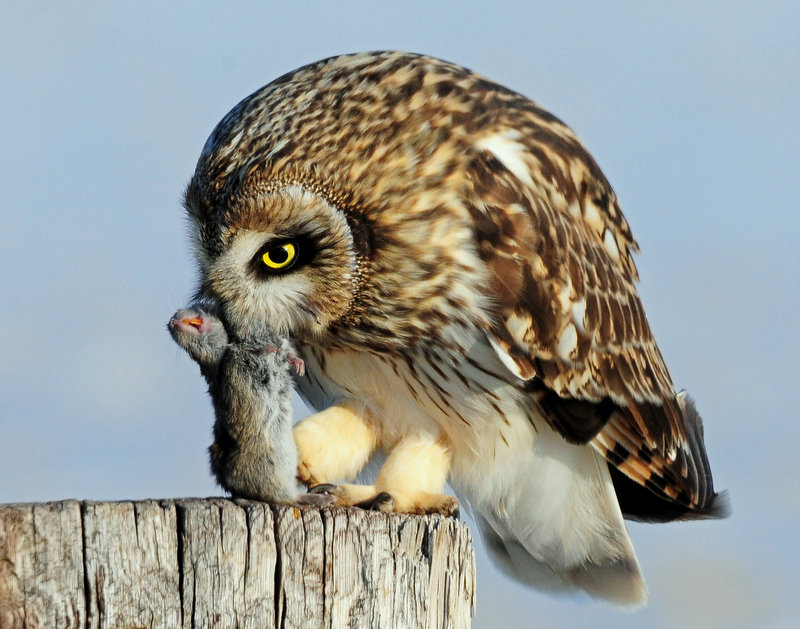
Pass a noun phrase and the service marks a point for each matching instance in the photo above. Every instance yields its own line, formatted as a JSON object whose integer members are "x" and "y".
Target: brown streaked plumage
{"x": 464, "y": 296}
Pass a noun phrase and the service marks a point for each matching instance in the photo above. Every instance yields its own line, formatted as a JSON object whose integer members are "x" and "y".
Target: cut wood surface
{"x": 230, "y": 563}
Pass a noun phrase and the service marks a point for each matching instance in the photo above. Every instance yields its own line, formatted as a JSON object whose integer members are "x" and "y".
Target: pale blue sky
{"x": 691, "y": 111}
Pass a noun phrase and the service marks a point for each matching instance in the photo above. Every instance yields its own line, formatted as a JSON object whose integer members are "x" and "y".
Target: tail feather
{"x": 553, "y": 522}
{"x": 639, "y": 501}
{"x": 619, "y": 582}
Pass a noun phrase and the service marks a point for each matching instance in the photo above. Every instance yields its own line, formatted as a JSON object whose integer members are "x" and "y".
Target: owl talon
{"x": 323, "y": 488}
{"x": 446, "y": 506}
{"x": 368, "y": 498}
{"x": 383, "y": 502}
{"x": 305, "y": 477}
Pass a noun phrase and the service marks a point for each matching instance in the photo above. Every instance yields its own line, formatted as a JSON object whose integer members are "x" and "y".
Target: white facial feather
{"x": 277, "y": 301}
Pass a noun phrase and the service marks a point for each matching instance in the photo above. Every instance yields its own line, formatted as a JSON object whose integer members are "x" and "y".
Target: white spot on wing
{"x": 567, "y": 342}
{"x": 504, "y": 147}
{"x": 518, "y": 326}
{"x": 611, "y": 244}
{"x": 578, "y": 312}
{"x": 566, "y": 295}
{"x": 593, "y": 217}
{"x": 672, "y": 454}
{"x": 574, "y": 209}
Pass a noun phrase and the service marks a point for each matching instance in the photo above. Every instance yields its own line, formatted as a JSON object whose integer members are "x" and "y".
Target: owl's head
{"x": 333, "y": 203}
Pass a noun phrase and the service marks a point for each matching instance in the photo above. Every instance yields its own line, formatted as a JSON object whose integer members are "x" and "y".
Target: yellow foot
{"x": 392, "y": 501}
{"x": 305, "y": 476}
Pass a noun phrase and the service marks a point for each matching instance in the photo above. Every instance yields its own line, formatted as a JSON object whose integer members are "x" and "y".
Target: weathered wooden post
{"x": 230, "y": 563}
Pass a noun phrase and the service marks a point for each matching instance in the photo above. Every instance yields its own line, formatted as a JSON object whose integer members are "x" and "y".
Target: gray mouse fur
{"x": 254, "y": 454}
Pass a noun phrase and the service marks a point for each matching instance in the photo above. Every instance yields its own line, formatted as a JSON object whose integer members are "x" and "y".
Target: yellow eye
{"x": 280, "y": 257}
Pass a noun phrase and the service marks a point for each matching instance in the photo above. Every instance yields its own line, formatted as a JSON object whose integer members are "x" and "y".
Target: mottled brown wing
{"x": 569, "y": 320}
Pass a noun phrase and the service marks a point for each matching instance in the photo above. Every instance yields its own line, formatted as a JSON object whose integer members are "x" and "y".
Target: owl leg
{"x": 334, "y": 444}
{"x": 410, "y": 481}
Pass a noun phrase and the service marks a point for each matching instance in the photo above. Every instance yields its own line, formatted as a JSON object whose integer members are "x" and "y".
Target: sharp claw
{"x": 382, "y": 502}
{"x": 322, "y": 488}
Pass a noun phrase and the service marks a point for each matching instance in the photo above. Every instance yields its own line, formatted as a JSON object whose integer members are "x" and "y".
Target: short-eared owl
{"x": 456, "y": 272}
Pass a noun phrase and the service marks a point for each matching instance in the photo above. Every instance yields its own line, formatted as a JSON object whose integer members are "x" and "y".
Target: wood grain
{"x": 230, "y": 563}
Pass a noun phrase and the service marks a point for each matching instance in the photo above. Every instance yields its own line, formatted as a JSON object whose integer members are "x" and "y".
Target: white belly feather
{"x": 547, "y": 508}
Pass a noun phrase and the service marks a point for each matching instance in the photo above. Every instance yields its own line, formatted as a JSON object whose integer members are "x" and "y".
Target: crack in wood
{"x": 136, "y": 564}
{"x": 87, "y": 590}
{"x": 179, "y": 558}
